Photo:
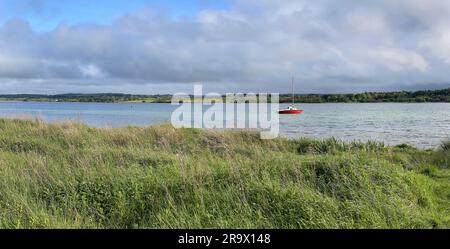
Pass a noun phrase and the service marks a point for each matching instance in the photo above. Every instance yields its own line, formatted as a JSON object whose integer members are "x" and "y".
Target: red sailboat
{"x": 291, "y": 109}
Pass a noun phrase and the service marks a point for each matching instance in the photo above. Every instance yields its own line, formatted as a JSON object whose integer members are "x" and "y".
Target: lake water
{"x": 423, "y": 125}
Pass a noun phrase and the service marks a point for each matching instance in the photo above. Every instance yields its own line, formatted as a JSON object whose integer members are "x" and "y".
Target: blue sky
{"x": 226, "y": 45}
{"x": 44, "y": 15}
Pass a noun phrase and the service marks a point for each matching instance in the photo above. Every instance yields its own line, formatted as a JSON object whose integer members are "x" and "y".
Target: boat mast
{"x": 293, "y": 95}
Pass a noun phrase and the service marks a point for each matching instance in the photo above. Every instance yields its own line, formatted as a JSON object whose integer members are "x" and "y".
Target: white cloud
{"x": 344, "y": 45}
{"x": 91, "y": 71}
{"x": 367, "y": 22}
{"x": 439, "y": 46}
{"x": 400, "y": 60}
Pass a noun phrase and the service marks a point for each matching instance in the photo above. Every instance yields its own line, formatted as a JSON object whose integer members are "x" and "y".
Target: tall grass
{"x": 446, "y": 145}
{"x": 70, "y": 175}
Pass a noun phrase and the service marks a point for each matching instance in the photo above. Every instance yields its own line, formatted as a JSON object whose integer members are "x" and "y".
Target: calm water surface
{"x": 422, "y": 125}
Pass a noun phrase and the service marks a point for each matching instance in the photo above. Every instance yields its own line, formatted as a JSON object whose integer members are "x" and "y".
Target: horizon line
{"x": 162, "y": 94}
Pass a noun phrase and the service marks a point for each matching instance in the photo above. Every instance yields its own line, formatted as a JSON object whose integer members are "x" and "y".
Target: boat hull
{"x": 291, "y": 112}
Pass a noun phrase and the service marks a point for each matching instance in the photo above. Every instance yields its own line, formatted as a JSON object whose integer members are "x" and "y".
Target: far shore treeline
{"x": 366, "y": 97}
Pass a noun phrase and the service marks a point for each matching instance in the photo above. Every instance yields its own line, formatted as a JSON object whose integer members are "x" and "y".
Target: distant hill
{"x": 374, "y": 97}
{"x": 366, "y": 97}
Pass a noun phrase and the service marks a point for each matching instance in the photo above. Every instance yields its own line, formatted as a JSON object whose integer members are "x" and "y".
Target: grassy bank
{"x": 442, "y": 96}
{"x": 73, "y": 176}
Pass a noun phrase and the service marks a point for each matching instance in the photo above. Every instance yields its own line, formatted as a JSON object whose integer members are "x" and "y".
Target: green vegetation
{"x": 373, "y": 97}
{"x": 367, "y": 97}
{"x": 99, "y": 98}
{"x": 70, "y": 175}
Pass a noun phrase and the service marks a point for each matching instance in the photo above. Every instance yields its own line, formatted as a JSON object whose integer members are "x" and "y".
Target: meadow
{"x": 70, "y": 175}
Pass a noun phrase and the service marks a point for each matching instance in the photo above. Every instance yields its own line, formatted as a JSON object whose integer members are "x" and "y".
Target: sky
{"x": 154, "y": 47}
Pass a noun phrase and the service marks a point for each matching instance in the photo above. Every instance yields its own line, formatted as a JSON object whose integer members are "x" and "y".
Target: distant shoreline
{"x": 428, "y": 96}
{"x": 110, "y": 178}
{"x": 287, "y": 102}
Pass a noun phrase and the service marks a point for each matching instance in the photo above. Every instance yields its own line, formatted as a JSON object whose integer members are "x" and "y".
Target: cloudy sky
{"x": 143, "y": 46}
